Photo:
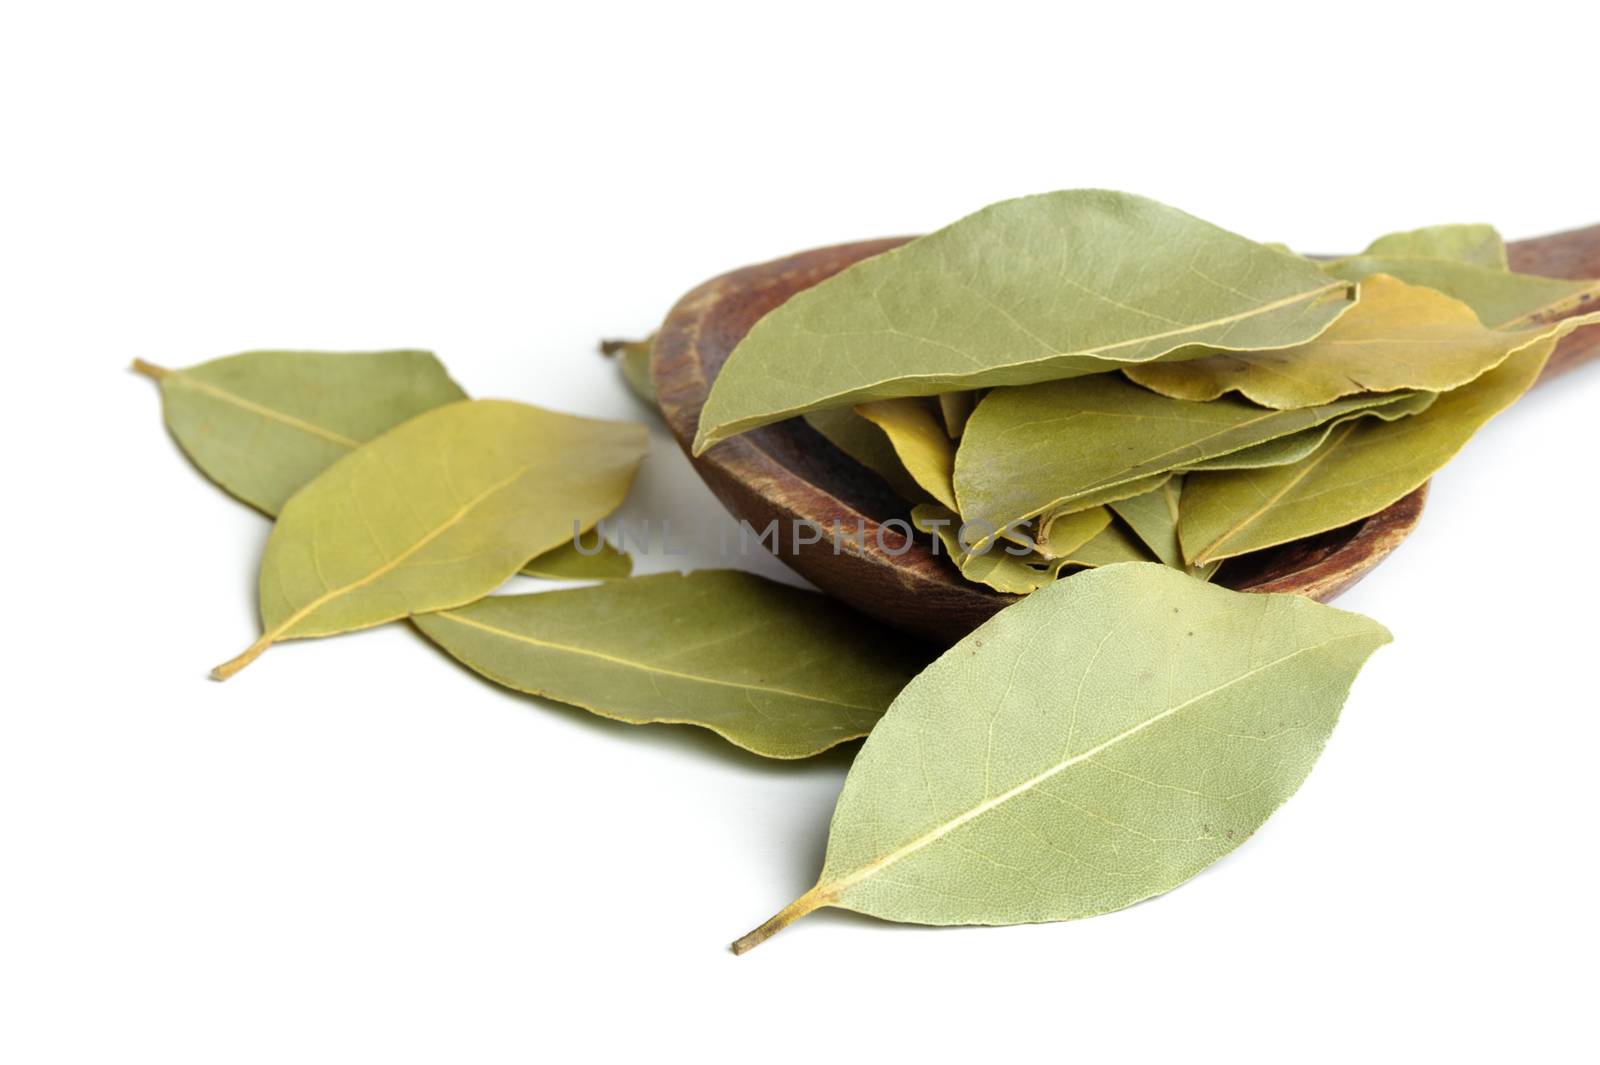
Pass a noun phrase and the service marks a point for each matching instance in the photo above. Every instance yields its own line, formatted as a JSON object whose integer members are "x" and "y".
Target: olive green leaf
{"x": 956, "y": 408}
{"x": 1478, "y": 245}
{"x": 998, "y": 568}
{"x": 1042, "y": 447}
{"x": 1111, "y": 545}
{"x": 1153, "y": 517}
{"x": 263, "y": 423}
{"x": 435, "y": 513}
{"x": 596, "y": 562}
{"x": 999, "y": 565}
{"x": 1033, "y": 289}
{"x": 868, "y": 445}
{"x": 1065, "y": 533}
{"x": 1500, "y": 299}
{"x": 1398, "y": 336}
{"x": 779, "y": 671}
{"x": 635, "y": 363}
{"x": 917, "y": 434}
{"x": 1296, "y": 446}
{"x": 1364, "y": 466}
{"x": 1095, "y": 744}
{"x": 1101, "y": 498}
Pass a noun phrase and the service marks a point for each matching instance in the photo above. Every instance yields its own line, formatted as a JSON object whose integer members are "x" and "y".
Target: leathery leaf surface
{"x": 1095, "y": 744}
{"x": 1500, "y": 299}
{"x": 1362, "y": 467}
{"x": 262, "y": 424}
{"x": 1032, "y": 289}
{"x": 1397, "y": 337}
{"x": 1043, "y": 447}
{"x": 779, "y": 671}
{"x": 436, "y": 513}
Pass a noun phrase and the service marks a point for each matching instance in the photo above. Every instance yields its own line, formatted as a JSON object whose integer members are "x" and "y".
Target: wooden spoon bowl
{"x": 789, "y": 474}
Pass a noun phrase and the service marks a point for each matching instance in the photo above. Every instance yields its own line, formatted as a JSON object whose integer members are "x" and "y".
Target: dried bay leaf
{"x": 596, "y": 562}
{"x": 263, "y": 423}
{"x": 1111, "y": 545}
{"x": 956, "y": 408}
{"x": 1477, "y": 245}
{"x": 1002, "y": 566}
{"x": 779, "y": 671}
{"x": 1153, "y": 517}
{"x": 917, "y": 434}
{"x": 997, "y": 568}
{"x": 1296, "y": 446}
{"x": 1501, "y": 300}
{"x": 1102, "y": 498}
{"x": 1033, "y": 289}
{"x": 1093, "y": 745}
{"x": 868, "y": 445}
{"x": 1363, "y": 467}
{"x": 1065, "y": 533}
{"x": 634, "y": 359}
{"x": 435, "y": 513}
{"x": 1043, "y": 447}
{"x": 1397, "y": 337}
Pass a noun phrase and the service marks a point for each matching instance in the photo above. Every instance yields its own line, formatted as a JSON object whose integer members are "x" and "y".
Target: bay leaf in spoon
{"x": 956, "y": 408}
{"x": 1001, "y": 564}
{"x": 1153, "y": 517}
{"x": 868, "y": 445}
{"x": 1064, "y": 533}
{"x": 1042, "y": 447}
{"x": 263, "y": 423}
{"x": 1396, "y": 337}
{"x": 1364, "y": 466}
{"x": 1476, "y": 245}
{"x": 1112, "y": 545}
{"x": 1501, "y": 300}
{"x": 1296, "y": 446}
{"x": 779, "y": 671}
{"x": 1101, "y": 498}
{"x": 917, "y": 433}
{"x": 435, "y": 513}
{"x": 996, "y": 568}
{"x": 1093, "y": 745}
{"x": 1033, "y": 289}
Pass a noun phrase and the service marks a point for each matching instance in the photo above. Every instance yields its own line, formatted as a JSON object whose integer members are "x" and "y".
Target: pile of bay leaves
{"x": 1083, "y": 378}
{"x": 1111, "y": 389}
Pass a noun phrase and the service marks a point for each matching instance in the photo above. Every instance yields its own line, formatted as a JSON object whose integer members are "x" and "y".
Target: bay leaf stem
{"x": 814, "y": 899}
{"x": 250, "y": 654}
{"x": 150, "y": 369}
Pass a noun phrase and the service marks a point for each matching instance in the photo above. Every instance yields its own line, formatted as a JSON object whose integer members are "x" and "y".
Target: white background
{"x": 357, "y": 852}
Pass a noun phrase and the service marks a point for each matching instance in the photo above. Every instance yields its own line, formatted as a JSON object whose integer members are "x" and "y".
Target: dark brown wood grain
{"x": 787, "y": 473}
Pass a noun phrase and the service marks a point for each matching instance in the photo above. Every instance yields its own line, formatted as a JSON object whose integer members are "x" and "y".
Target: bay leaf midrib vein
{"x": 643, "y": 667}
{"x": 390, "y": 565}
{"x": 269, "y": 413}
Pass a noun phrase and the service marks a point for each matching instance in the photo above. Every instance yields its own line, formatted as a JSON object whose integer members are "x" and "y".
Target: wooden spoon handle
{"x": 1574, "y": 254}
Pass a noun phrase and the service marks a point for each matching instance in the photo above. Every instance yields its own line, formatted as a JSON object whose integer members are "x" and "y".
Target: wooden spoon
{"x": 789, "y": 473}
